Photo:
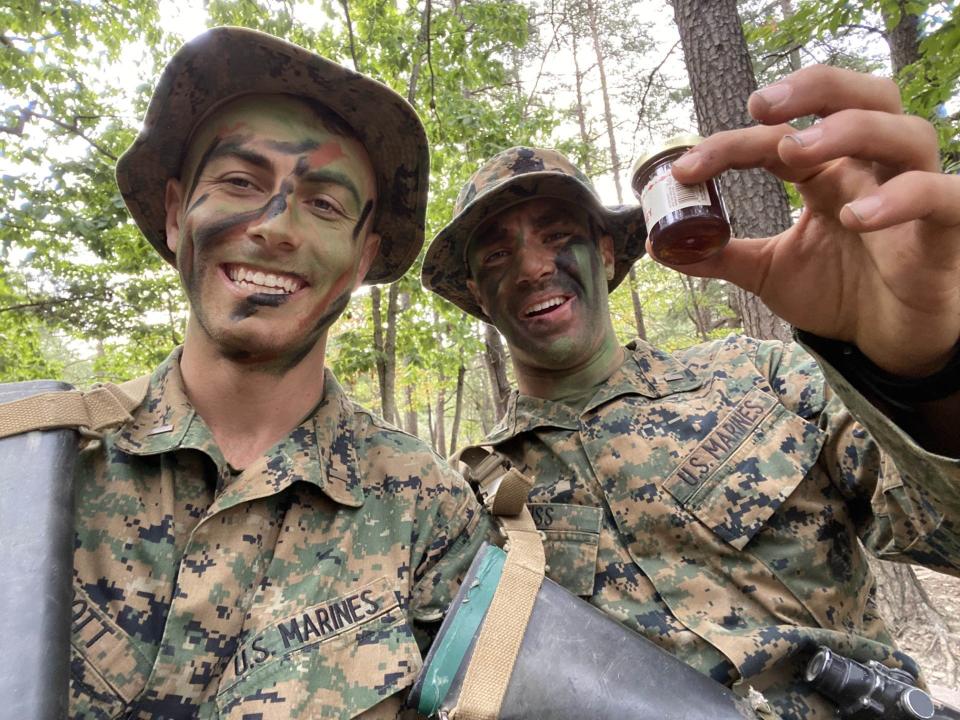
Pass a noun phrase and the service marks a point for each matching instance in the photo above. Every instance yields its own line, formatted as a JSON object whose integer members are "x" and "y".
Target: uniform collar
{"x": 321, "y": 450}
{"x": 645, "y": 371}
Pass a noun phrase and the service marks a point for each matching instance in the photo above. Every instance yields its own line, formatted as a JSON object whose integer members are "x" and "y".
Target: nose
{"x": 534, "y": 262}
{"x": 273, "y": 226}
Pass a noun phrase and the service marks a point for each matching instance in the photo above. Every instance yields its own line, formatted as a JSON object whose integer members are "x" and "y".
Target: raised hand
{"x": 875, "y": 257}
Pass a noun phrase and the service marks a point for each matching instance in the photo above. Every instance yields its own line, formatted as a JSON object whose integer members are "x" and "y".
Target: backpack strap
{"x": 91, "y": 411}
{"x": 504, "y": 490}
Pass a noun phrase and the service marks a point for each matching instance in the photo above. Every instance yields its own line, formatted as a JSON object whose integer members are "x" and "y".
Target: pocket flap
{"x": 746, "y": 467}
{"x": 571, "y": 541}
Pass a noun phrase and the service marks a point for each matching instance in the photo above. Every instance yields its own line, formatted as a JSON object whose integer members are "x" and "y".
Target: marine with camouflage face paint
{"x": 719, "y": 499}
{"x": 251, "y": 543}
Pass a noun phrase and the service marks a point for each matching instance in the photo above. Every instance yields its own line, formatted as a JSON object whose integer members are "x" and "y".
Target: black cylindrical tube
{"x": 36, "y": 564}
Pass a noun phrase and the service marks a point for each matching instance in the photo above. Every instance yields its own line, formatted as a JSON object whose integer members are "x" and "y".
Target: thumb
{"x": 744, "y": 262}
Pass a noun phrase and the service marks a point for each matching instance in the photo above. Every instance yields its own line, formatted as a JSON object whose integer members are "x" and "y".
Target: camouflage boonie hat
{"x": 510, "y": 178}
{"x": 226, "y": 62}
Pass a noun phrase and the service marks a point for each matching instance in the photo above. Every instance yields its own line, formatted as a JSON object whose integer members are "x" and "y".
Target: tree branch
{"x": 29, "y": 112}
{"x": 353, "y": 47}
{"x": 646, "y": 89}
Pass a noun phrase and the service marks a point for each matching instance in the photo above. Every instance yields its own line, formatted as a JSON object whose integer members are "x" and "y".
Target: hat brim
{"x": 228, "y": 62}
{"x": 445, "y": 268}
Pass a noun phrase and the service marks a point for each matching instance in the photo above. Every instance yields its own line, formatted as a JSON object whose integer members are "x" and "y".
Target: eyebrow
{"x": 325, "y": 175}
{"x": 554, "y": 215}
{"x": 237, "y": 150}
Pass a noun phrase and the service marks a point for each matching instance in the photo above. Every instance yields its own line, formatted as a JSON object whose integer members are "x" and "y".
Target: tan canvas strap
{"x": 93, "y": 410}
{"x": 495, "y": 652}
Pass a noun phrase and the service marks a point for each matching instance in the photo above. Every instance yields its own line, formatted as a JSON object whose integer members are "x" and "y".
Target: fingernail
{"x": 688, "y": 161}
{"x": 774, "y": 94}
{"x": 806, "y": 138}
{"x": 865, "y": 208}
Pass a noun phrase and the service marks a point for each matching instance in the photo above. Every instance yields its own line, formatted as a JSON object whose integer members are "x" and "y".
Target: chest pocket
{"x": 106, "y": 670}
{"x": 746, "y": 467}
{"x": 335, "y": 659}
{"x": 571, "y": 538}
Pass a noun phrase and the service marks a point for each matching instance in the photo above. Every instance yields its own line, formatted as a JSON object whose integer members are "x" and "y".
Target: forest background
{"x": 83, "y": 296}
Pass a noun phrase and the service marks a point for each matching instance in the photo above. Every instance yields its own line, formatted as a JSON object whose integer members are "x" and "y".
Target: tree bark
{"x": 496, "y": 361}
{"x": 611, "y": 139}
{"x": 607, "y": 113}
{"x": 721, "y": 79}
{"x": 903, "y": 39}
{"x": 376, "y": 316}
{"x": 388, "y": 391}
{"x": 637, "y": 307}
{"x": 457, "y": 410}
{"x": 411, "y": 420}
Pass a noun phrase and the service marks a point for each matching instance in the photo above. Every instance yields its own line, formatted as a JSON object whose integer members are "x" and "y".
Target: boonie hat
{"x": 510, "y": 178}
{"x": 226, "y": 62}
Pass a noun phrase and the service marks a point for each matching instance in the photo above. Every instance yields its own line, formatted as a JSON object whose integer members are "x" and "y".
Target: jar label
{"x": 662, "y": 194}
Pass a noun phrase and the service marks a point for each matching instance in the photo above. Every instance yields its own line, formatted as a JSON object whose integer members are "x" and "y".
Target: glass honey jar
{"x": 685, "y": 223}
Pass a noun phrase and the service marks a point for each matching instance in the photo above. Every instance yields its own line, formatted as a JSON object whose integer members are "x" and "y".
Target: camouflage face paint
{"x": 284, "y": 206}
{"x": 544, "y": 254}
{"x": 362, "y": 219}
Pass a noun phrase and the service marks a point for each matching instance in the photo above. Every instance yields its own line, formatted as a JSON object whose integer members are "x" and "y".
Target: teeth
{"x": 545, "y": 305}
{"x": 263, "y": 282}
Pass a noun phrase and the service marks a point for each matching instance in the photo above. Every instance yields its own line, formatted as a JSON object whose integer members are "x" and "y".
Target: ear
{"x": 605, "y": 246}
{"x": 472, "y": 287}
{"x": 371, "y": 246}
{"x": 173, "y": 201}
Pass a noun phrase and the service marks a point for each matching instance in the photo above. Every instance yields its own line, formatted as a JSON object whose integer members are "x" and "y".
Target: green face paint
{"x": 270, "y": 223}
{"x": 540, "y": 276}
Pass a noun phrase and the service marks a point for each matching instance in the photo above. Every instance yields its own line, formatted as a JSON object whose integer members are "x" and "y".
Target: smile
{"x": 542, "y": 307}
{"x": 258, "y": 280}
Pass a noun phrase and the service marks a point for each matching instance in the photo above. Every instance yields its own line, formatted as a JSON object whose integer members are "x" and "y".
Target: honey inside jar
{"x": 685, "y": 223}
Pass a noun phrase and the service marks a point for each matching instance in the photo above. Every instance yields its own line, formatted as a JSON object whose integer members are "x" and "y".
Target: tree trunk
{"x": 903, "y": 38}
{"x": 786, "y": 7}
{"x": 439, "y": 423}
{"x": 411, "y": 420}
{"x": 457, "y": 410}
{"x": 496, "y": 361}
{"x": 637, "y": 307}
{"x": 607, "y": 113}
{"x": 376, "y": 315}
{"x": 614, "y": 154}
{"x": 388, "y": 391}
{"x": 721, "y": 79}
{"x": 580, "y": 107}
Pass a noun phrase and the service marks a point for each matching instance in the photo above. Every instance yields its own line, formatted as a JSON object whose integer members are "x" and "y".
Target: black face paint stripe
{"x": 219, "y": 146}
{"x": 364, "y": 214}
{"x": 301, "y": 167}
{"x": 274, "y": 206}
{"x": 289, "y": 148}
{"x": 200, "y": 200}
{"x": 268, "y": 299}
{"x": 243, "y": 310}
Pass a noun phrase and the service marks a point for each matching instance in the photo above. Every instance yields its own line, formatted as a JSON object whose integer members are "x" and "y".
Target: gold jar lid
{"x": 655, "y": 152}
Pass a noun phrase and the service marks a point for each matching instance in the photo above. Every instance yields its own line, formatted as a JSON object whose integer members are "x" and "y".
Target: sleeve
{"x": 906, "y": 500}
{"x": 451, "y": 527}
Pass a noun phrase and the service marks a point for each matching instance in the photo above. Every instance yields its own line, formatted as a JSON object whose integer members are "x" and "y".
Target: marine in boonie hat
{"x": 227, "y": 62}
{"x": 507, "y": 179}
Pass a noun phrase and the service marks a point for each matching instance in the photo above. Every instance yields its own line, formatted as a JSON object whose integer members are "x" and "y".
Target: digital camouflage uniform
{"x": 714, "y": 500}
{"x": 287, "y": 590}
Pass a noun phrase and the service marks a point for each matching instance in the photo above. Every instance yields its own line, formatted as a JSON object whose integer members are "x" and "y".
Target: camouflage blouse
{"x": 287, "y": 590}
{"x": 718, "y": 502}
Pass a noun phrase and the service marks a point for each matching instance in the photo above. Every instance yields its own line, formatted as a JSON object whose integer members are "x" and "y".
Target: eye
{"x": 557, "y": 235}
{"x": 495, "y": 256}
{"x": 240, "y": 182}
{"x": 324, "y": 206}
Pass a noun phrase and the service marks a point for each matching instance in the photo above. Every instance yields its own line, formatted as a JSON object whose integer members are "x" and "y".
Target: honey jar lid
{"x": 657, "y": 151}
